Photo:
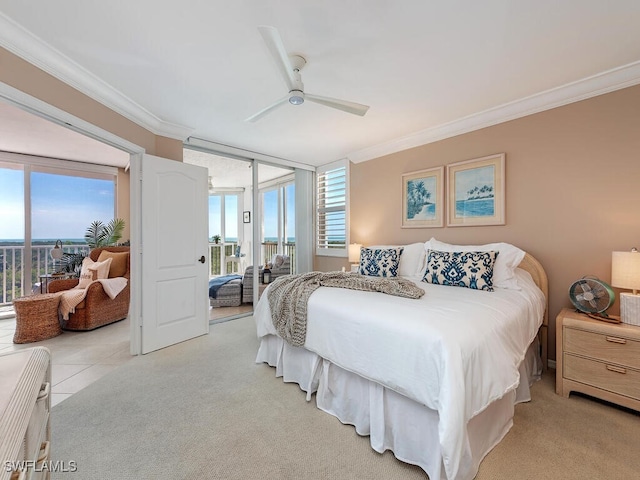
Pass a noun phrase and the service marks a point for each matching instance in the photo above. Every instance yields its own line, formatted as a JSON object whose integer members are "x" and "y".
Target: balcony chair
{"x": 280, "y": 265}
{"x": 97, "y": 309}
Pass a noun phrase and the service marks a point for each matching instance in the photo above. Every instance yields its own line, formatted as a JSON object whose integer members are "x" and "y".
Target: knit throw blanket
{"x": 288, "y": 297}
{"x": 69, "y": 299}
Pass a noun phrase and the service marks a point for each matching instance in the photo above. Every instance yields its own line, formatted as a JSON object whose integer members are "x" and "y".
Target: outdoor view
{"x": 62, "y": 208}
{"x": 270, "y": 216}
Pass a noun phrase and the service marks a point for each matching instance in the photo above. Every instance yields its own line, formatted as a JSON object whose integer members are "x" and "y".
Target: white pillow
{"x": 412, "y": 260}
{"x": 93, "y": 271}
{"x": 504, "y": 273}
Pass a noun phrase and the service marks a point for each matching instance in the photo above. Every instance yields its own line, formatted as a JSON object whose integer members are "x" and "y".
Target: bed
{"x": 434, "y": 380}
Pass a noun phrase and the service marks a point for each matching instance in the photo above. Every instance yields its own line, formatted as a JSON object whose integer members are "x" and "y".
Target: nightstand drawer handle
{"x": 613, "y": 368}
{"x": 621, "y": 341}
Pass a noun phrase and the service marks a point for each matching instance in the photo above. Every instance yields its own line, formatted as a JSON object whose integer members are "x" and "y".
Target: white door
{"x": 174, "y": 242}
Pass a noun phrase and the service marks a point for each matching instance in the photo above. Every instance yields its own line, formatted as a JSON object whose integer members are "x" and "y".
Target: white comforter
{"x": 454, "y": 350}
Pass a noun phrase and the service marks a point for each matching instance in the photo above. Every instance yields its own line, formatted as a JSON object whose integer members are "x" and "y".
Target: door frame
{"x": 42, "y": 109}
{"x": 56, "y": 115}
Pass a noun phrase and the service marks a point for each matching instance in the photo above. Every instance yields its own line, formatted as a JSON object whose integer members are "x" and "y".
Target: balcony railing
{"x": 269, "y": 249}
{"x": 13, "y": 282}
{"x": 223, "y": 261}
{"x": 13, "y": 270}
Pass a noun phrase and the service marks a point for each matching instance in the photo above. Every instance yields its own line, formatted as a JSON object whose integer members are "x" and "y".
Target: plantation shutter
{"x": 332, "y": 219}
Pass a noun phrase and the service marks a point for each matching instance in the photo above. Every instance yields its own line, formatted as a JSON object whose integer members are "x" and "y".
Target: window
{"x": 224, "y": 232}
{"x": 278, "y": 218}
{"x": 332, "y": 193}
{"x": 43, "y": 200}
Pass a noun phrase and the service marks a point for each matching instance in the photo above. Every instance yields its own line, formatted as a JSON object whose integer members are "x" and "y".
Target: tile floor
{"x": 81, "y": 358}
{"x": 78, "y": 358}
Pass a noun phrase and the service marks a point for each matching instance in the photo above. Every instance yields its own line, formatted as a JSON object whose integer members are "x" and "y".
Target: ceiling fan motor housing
{"x": 296, "y": 97}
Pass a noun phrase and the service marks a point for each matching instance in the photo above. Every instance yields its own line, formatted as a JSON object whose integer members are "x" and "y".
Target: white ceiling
{"x": 228, "y": 173}
{"x": 427, "y": 69}
{"x": 23, "y": 132}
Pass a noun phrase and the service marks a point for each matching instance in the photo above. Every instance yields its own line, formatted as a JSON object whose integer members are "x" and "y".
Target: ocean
{"x": 475, "y": 208}
{"x": 42, "y": 241}
{"x": 81, "y": 241}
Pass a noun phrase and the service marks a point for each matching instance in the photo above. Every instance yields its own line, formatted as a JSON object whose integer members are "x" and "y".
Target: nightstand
{"x": 597, "y": 358}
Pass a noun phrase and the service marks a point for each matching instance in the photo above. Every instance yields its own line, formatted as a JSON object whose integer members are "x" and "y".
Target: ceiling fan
{"x": 290, "y": 66}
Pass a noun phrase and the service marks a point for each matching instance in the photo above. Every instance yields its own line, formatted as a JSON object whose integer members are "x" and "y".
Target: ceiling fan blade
{"x": 349, "y": 107}
{"x": 274, "y": 43}
{"x": 269, "y": 109}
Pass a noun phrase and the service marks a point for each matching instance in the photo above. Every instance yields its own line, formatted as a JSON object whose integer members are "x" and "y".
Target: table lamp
{"x": 625, "y": 273}
{"x": 56, "y": 253}
{"x": 354, "y": 256}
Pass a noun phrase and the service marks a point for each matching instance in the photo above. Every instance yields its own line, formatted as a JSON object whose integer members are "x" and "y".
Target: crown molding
{"x": 34, "y": 50}
{"x": 53, "y": 114}
{"x": 605, "y": 82}
{"x": 243, "y": 154}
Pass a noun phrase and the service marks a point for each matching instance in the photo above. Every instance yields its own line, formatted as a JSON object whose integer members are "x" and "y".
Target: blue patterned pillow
{"x": 461, "y": 269}
{"x": 380, "y": 262}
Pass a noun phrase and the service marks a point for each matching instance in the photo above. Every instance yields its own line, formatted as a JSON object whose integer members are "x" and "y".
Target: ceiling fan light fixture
{"x": 296, "y": 97}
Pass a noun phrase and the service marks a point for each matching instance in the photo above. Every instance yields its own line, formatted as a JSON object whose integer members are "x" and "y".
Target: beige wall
{"x": 31, "y": 80}
{"x": 572, "y": 190}
{"x": 25, "y": 77}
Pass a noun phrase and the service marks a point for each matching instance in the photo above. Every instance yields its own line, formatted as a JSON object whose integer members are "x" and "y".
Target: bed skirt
{"x": 393, "y": 421}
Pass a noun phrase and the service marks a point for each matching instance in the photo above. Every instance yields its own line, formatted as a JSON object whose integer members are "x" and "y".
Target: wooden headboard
{"x": 533, "y": 266}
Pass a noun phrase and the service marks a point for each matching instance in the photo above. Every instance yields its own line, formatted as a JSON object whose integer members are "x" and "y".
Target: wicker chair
{"x": 97, "y": 309}
{"x": 247, "y": 279}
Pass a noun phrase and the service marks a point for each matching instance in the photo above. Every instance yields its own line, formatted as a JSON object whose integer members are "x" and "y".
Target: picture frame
{"x": 423, "y": 198}
{"x": 246, "y": 217}
{"x": 475, "y": 193}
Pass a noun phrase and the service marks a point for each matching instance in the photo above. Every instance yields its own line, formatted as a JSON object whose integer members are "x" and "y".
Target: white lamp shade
{"x": 625, "y": 270}
{"x": 354, "y": 252}
{"x": 56, "y": 251}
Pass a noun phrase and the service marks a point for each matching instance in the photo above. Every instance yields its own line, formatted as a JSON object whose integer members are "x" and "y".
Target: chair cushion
{"x": 119, "y": 262}
{"x": 93, "y": 271}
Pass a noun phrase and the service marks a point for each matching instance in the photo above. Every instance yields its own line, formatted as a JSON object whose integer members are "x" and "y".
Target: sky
{"x": 62, "y": 206}
{"x": 475, "y": 177}
{"x": 270, "y": 202}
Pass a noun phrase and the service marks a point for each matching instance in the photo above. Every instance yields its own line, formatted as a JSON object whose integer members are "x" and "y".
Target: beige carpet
{"x": 204, "y": 410}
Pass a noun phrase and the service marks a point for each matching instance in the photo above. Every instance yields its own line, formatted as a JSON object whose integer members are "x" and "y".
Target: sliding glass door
{"x": 225, "y": 237}
{"x": 12, "y": 235}
{"x": 43, "y": 201}
{"x": 277, "y": 198}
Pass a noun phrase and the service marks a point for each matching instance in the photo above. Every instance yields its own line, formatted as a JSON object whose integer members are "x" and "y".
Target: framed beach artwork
{"x": 476, "y": 192}
{"x": 423, "y": 198}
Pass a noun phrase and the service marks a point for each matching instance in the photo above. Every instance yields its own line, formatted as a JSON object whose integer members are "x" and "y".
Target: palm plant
{"x": 72, "y": 262}
{"x": 100, "y": 235}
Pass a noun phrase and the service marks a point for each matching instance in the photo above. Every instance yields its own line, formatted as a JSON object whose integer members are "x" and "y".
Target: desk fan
{"x": 593, "y": 297}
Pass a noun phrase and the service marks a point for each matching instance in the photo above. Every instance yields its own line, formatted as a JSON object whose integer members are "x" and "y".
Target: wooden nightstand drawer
{"x": 609, "y": 348}
{"x": 607, "y": 376}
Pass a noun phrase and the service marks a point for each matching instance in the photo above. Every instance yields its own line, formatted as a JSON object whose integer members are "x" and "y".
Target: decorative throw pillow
{"x": 504, "y": 270}
{"x": 412, "y": 260}
{"x": 380, "y": 262}
{"x": 461, "y": 269}
{"x": 93, "y": 271}
{"x": 277, "y": 260}
{"x": 119, "y": 262}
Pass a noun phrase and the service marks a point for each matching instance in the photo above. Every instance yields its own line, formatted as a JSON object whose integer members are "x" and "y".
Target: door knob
{"x": 202, "y": 259}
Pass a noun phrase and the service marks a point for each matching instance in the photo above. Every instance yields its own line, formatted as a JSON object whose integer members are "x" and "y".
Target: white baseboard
{"x": 551, "y": 364}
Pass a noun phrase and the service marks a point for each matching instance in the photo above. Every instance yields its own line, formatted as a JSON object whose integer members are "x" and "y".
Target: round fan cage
{"x": 591, "y": 295}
